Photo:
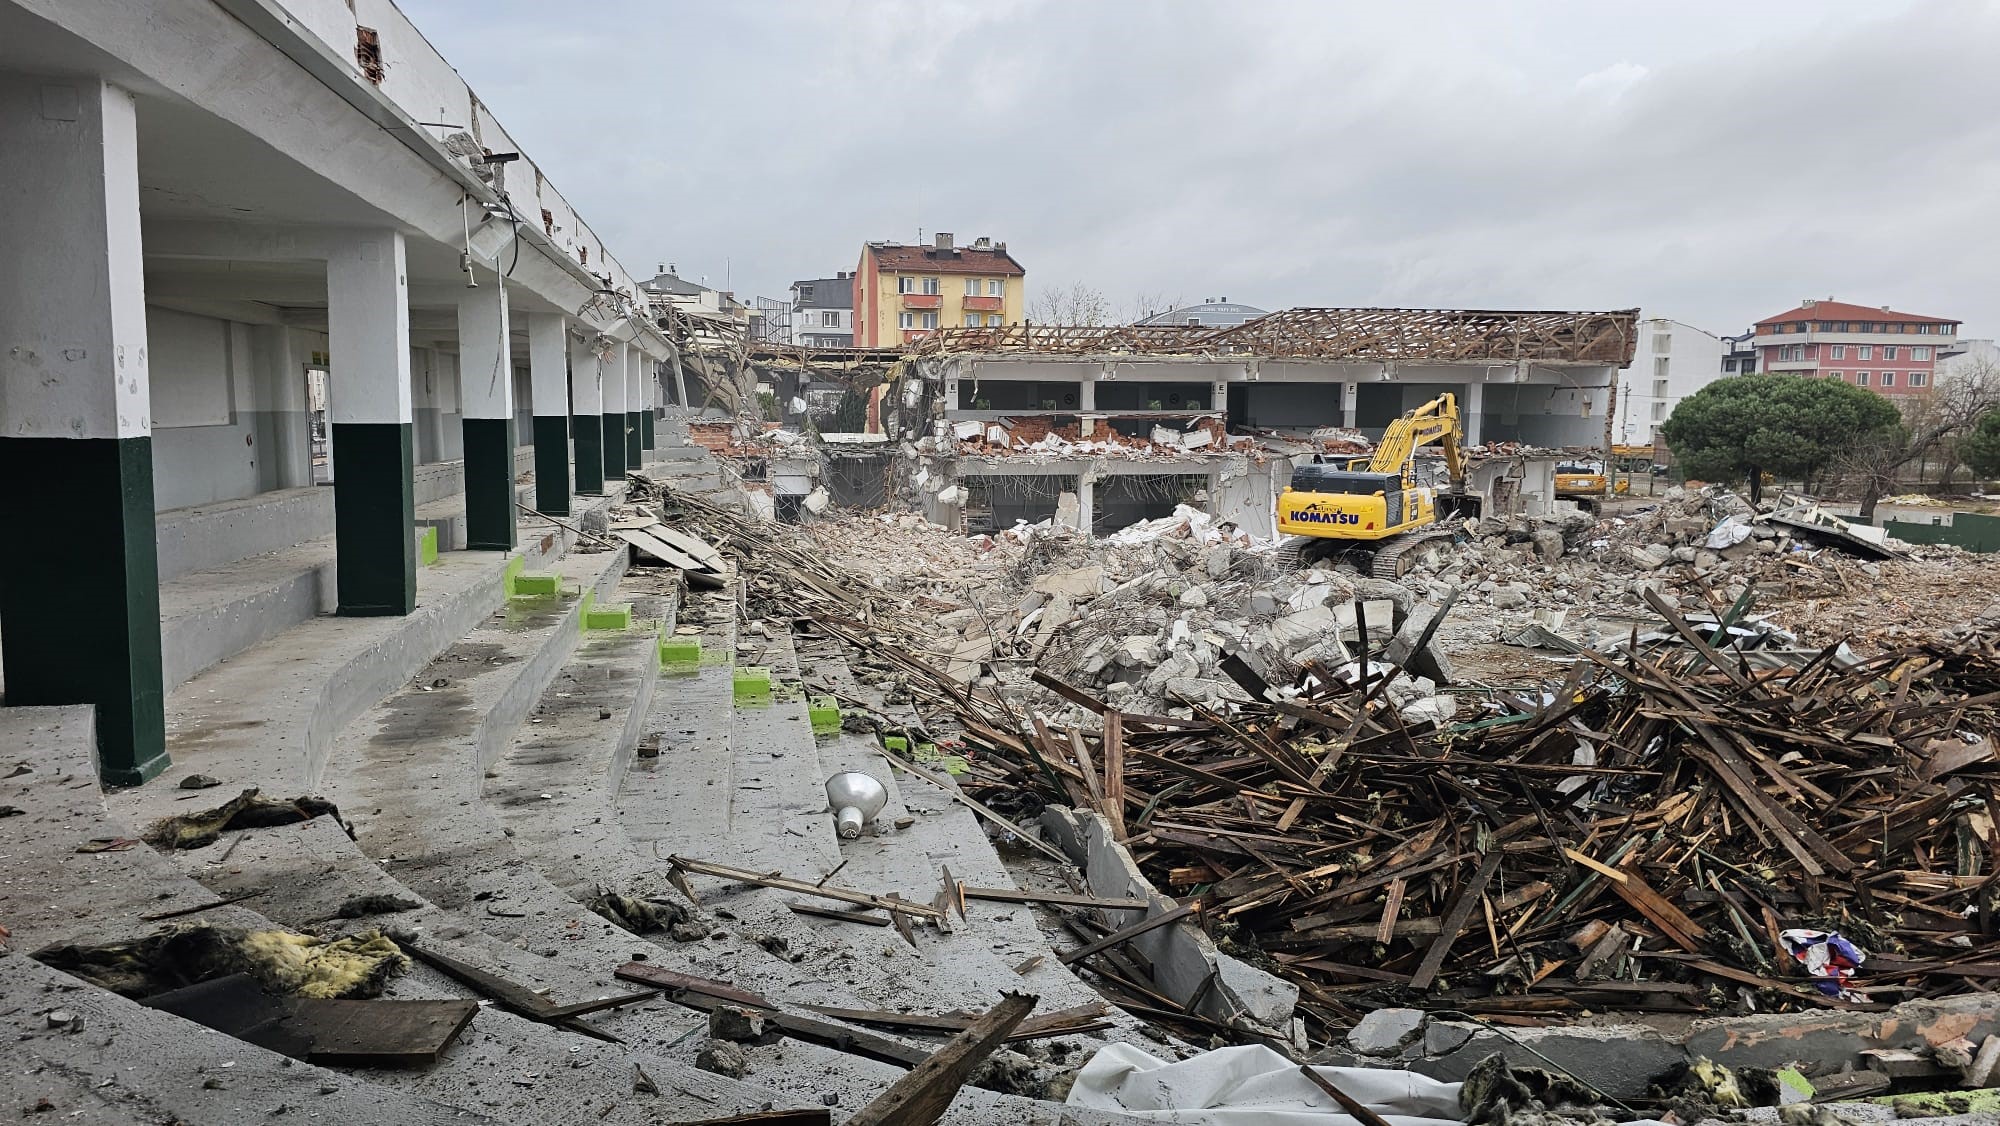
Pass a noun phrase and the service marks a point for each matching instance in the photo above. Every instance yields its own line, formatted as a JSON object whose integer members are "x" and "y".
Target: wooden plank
{"x": 1063, "y": 1022}
{"x": 1054, "y": 898}
{"x": 773, "y": 880}
{"x": 839, "y": 915}
{"x": 1455, "y": 919}
{"x": 1612, "y": 874}
{"x": 1672, "y": 921}
{"x": 1114, "y": 773}
{"x": 374, "y": 1033}
{"x": 1031, "y": 840}
{"x": 1126, "y": 934}
{"x": 1348, "y": 1103}
{"x": 922, "y": 1096}
{"x": 646, "y": 973}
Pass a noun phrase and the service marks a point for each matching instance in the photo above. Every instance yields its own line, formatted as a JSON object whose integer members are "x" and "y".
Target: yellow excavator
{"x": 1372, "y": 510}
{"x": 1586, "y": 483}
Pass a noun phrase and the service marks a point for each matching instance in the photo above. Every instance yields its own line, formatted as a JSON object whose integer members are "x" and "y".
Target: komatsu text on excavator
{"x": 1372, "y": 509}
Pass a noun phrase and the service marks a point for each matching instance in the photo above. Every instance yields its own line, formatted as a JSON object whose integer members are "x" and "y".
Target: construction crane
{"x": 1372, "y": 510}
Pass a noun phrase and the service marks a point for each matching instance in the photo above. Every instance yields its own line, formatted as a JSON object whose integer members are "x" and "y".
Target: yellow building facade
{"x": 902, "y": 292}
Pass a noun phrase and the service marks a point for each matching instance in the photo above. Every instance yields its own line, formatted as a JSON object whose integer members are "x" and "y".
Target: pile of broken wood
{"x": 1635, "y": 839}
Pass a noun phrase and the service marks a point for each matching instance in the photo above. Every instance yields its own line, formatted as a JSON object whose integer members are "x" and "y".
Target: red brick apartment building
{"x": 1869, "y": 346}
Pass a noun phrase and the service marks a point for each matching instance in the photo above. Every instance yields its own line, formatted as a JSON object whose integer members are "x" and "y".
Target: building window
{"x": 1659, "y": 411}
{"x": 1662, "y": 342}
{"x": 1659, "y": 366}
{"x": 829, "y": 319}
{"x": 972, "y": 287}
{"x": 1864, "y": 351}
{"x": 906, "y": 320}
{"x": 1839, "y": 351}
{"x": 1791, "y": 352}
{"x": 1860, "y": 378}
{"x": 992, "y": 320}
{"x": 906, "y": 285}
{"x": 972, "y": 320}
{"x": 996, "y": 287}
{"x": 931, "y": 287}
{"x": 1888, "y": 379}
{"x": 1888, "y": 351}
{"x": 1659, "y": 388}
{"x": 930, "y": 320}
{"x": 1918, "y": 379}
{"x": 1920, "y": 352}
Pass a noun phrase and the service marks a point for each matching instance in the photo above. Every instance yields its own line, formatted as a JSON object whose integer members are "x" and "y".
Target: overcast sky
{"x": 1711, "y": 162}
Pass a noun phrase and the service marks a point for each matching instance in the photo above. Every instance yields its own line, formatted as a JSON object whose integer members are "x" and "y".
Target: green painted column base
{"x": 489, "y": 484}
{"x": 552, "y": 464}
{"x": 751, "y": 684}
{"x": 680, "y": 652}
{"x": 374, "y": 508}
{"x": 614, "y": 447}
{"x": 635, "y": 431}
{"x": 80, "y": 604}
{"x": 646, "y": 438}
{"x": 589, "y": 435}
{"x": 824, "y": 712}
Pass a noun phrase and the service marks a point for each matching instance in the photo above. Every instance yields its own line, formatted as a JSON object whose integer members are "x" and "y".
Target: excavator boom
{"x": 1435, "y": 421}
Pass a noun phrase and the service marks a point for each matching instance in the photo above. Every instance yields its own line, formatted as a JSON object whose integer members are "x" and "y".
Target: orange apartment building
{"x": 902, "y": 292}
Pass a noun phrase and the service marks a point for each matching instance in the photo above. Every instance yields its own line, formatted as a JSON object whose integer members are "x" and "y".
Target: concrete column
{"x": 1086, "y": 395}
{"x": 613, "y": 384}
{"x": 486, "y": 403}
{"x": 548, "y": 395}
{"x": 680, "y": 382}
{"x": 635, "y": 407}
{"x": 1086, "y": 500}
{"x": 653, "y": 396}
{"x": 80, "y": 604}
{"x": 586, "y": 397}
{"x": 374, "y": 501}
{"x": 1472, "y": 412}
{"x": 1350, "y": 396}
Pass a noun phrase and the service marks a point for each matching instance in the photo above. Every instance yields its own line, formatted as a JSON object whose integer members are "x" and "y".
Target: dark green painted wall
{"x": 80, "y": 594}
{"x": 648, "y": 435}
{"x": 635, "y": 429}
{"x": 614, "y": 447}
{"x": 489, "y": 484}
{"x": 552, "y": 464}
{"x": 374, "y": 518}
{"x": 589, "y": 431}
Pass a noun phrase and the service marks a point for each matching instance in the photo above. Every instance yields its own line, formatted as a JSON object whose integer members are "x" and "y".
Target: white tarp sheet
{"x": 1253, "y": 1086}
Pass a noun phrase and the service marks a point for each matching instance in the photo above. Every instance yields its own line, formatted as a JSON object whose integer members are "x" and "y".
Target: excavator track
{"x": 1392, "y": 559}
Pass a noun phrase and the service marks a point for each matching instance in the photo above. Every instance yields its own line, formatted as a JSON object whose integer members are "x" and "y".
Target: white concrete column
{"x": 80, "y": 596}
{"x": 586, "y": 396}
{"x": 548, "y": 397}
{"x": 613, "y": 385}
{"x": 1086, "y": 501}
{"x": 635, "y": 406}
{"x": 368, "y": 378}
{"x": 1473, "y": 412}
{"x": 1350, "y": 396}
{"x": 486, "y": 405}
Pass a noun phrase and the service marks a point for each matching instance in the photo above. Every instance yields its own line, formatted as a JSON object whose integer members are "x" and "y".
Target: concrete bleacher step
{"x": 129, "y": 1063}
{"x": 945, "y": 833}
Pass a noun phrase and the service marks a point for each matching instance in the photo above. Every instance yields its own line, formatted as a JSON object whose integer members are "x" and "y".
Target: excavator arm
{"x": 1435, "y": 421}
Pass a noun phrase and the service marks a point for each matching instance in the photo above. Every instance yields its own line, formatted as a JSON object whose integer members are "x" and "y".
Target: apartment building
{"x": 1673, "y": 361}
{"x": 902, "y": 292}
{"x": 1866, "y": 345}
{"x": 822, "y": 312}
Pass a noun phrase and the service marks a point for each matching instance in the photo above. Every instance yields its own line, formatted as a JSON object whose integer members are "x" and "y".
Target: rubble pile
{"x": 1032, "y": 435}
{"x": 1713, "y": 820}
{"x": 1673, "y": 834}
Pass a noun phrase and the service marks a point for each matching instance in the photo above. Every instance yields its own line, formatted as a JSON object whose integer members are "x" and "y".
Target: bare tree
{"x": 1931, "y": 421}
{"x": 1074, "y": 304}
{"x": 1149, "y": 303}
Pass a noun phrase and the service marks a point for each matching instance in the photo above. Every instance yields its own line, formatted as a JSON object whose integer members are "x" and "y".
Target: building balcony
{"x": 922, "y": 300}
{"x": 984, "y": 304}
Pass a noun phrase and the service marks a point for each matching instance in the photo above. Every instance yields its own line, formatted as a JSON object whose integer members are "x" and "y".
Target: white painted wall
{"x": 226, "y": 425}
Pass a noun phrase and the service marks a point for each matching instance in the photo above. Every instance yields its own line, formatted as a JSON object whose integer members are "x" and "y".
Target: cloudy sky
{"x": 1709, "y": 161}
